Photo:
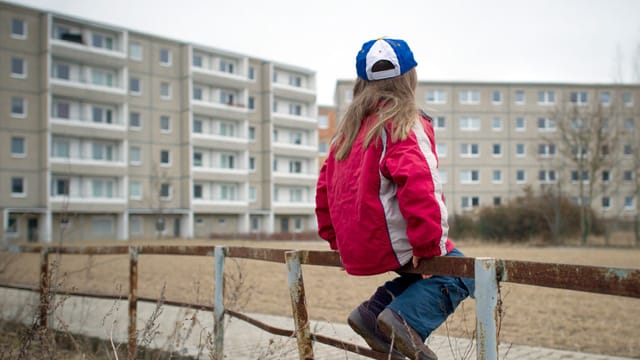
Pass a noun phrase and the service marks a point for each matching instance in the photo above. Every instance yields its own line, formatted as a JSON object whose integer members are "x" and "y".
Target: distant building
{"x": 109, "y": 133}
{"x": 495, "y": 138}
{"x": 326, "y": 128}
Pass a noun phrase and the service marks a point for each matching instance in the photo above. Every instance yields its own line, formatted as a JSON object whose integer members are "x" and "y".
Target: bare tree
{"x": 588, "y": 140}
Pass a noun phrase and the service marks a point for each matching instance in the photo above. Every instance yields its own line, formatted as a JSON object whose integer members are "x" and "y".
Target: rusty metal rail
{"x": 488, "y": 273}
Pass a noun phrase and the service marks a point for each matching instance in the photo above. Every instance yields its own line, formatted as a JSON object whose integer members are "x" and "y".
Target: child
{"x": 379, "y": 202}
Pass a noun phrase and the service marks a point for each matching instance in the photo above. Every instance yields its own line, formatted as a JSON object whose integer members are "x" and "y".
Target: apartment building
{"x": 496, "y": 139}
{"x": 327, "y": 123}
{"x": 110, "y": 133}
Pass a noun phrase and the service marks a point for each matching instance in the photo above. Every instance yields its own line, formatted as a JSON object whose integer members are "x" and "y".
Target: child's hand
{"x": 416, "y": 260}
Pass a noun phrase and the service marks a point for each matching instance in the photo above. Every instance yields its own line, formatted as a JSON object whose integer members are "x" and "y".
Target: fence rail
{"x": 488, "y": 273}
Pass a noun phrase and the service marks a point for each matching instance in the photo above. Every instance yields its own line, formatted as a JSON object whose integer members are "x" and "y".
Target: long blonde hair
{"x": 393, "y": 99}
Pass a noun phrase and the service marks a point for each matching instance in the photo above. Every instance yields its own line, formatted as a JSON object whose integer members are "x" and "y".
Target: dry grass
{"x": 532, "y": 316}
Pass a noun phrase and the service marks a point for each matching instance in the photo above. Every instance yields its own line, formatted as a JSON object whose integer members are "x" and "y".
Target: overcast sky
{"x": 496, "y": 40}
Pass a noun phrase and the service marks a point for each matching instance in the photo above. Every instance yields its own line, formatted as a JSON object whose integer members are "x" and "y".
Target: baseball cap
{"x": 384, "y": 59}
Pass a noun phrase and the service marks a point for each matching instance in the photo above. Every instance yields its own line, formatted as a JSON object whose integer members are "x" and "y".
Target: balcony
{"x": 88, "y": 91}
{"x": 219, "y": 206}
{"x": 292, "y": 92}
{"x": 219, "y": 78}
{"x": 298, "y": 150}
{"x": 294, "y": 121}
{"x": 82, "y": 127}
{"x": 295, "y": 179}
{"x": 79, "y": 51}
{"x": 235, "y": 111}
{"x": 227, "y": 142}
{"x": 87, "y": 204}
{"x": 294, "y": 208}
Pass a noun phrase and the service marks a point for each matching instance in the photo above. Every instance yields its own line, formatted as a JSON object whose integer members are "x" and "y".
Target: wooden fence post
{"x": 299, "y": 304}
{"x": 486, "y": 308}
{"x": 132, "y": 345}
{"x": 218, "y": 306}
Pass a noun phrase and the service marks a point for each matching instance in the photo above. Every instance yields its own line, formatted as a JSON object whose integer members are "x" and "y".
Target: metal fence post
{"x": 299, "y": 303}
{"x": 132, "y": 346}
{"x": 486, "y": 308}
{"x": 44, "y": 288}
{"x": 218, "y": 306}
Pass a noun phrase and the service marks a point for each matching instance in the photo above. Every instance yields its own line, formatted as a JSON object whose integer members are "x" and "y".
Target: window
{"x": 251, "y": 103}
{"x": 60, "y": 148}
{"x": 520, "y": 150}
{"x": 61, "y": 186}
{"x": 627, "y": 175}
{"x": 520, "y": 97}
{"x": 135, "y": 225}
{"x": 252, "y": 73}
{"x": 546, "y": 124}
{"x": 18, "y": 28}
{"x": 579, "y": 97}
{"x": 102, "y": 41}
{"x": 436, "y": 97}
{"x": 469, "y": 97}
{"x": 197, "y": 60}
{"x": 469, "y": 202}
{"x": 496, "y": 150}
{"x": 18, "y": 187}
{"x": 606, "y": 202}
{"x": 295, "y": 109}
{"x": 228, "y": 192}
{"x": 520, "y": 176}
{"x": 469, "y": 150}
{"x": 496, "y": 97}
{"x": 102, "y": 151}
{"x": 135, "y": 190}
{"x": 229, "y": 67}
{"x": 497, "y": 201}
{"x": 61, "y": 109}
{"x": 496, "y": 123}
{"x": 165, "y": 157}
{"x": 606, "y": 176}
{"x": 101, "y": 115}
{"x": 18, "y": 107}
{"x": 135, "y": 120}
{"x": 135, "y": 155}
{"x": 228, "y": 161}
{"x": 547, "y": 176}
{"x": 469, "y": 177}
{"x": 197, "y": 126}
{"x": 605, "y": 98}
{"x": 165, "y": 191}
{"x": 496, "y": 177}
{"x": 441, "y": 149}
{"x": 18, "y": 148}
{"x": 295, "y": 195}
{"x": 165, "y": 124}
{"x": 627, "y": 99}
{"x": 440, "y": 123}
{"x": 628, "y": 124}
{"x": 252, "y": 197}
{"x": 227, "y": 129}
{"x": 444, "y": 176}
{"x": 323, "y": 121}
{"x": 252, "y": 133}
{"x": 295, "y": 167}
{"x": 469, "y": 124}
{"x": 252, "y": 163}
{"x": 165, "y": 90}
{"x": 102, "y": 77}
{"x": 295, "y": 81}
{"x": 197, "y": 93}
{"x": 546, "y": 97}
{"x": 135, "y": 51}
{"x": 18, "y": 68}
{"x": 165, "y": 57}
{"x": 135, "y": 86}
{"x": 295, "y": 138}
{"x": 322, "y": 148}
{"x": 521, "y": 124}
{"x": 197, "y": 191}
{"x": 197, "y": 159}
{"x": 546, "y": 150}
{"x": 627, "y": 150}
{"x": 629, "y": 203}
{"x": 62, "y": 71}
{"x": 576, "y": 177}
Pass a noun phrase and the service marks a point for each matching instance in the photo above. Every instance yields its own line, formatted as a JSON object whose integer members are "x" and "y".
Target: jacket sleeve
{"x": 413, "y": 166}
{"x": 325, "y": 226}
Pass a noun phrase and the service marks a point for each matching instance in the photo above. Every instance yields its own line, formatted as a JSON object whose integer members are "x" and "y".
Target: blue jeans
{"x": 426, "y": 303}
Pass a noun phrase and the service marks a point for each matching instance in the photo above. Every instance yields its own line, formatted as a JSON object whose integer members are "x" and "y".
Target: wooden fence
{"x": 487, "y": 272}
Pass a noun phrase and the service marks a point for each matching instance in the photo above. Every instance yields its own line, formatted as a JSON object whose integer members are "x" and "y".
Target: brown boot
{"x": 403, "y": 336}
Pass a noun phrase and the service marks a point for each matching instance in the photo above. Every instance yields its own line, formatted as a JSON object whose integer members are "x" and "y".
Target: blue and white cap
{"x": 394, "y": 55}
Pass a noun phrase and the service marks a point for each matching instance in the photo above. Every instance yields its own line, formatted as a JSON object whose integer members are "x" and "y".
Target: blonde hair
{"x": 393, "y": 100}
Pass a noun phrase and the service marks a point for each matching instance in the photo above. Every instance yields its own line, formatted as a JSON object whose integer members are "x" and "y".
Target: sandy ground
{"x": 534, "y": 316}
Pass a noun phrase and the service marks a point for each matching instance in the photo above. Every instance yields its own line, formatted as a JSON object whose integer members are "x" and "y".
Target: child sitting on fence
{"x": 379, "y": 203}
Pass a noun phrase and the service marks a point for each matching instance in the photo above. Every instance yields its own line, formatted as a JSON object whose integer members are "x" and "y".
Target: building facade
{"x": 109, "y": 133}
{"x": 494, "y": 140}
{"x": 326, "y": 128}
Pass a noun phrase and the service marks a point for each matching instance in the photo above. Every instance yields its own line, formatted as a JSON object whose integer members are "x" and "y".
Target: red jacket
{"x": 383, "y": 204}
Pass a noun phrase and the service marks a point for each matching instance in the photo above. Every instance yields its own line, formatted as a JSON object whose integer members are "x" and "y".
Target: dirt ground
{"x": 533, "y": 316}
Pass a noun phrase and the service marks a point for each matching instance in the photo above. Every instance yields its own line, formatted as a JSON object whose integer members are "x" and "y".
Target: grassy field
{"x": 531, "y": 315}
